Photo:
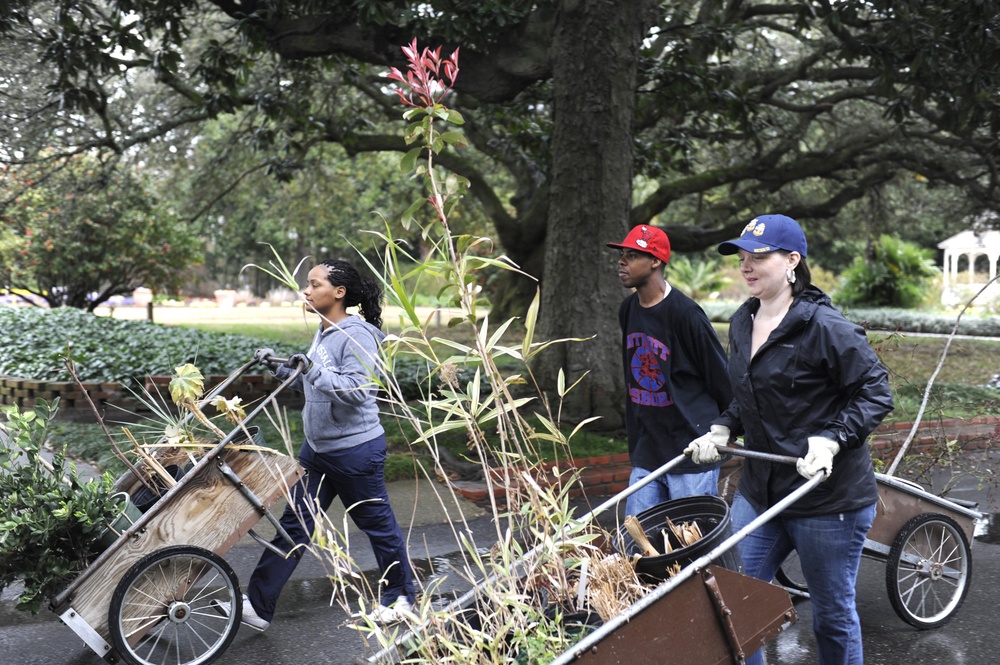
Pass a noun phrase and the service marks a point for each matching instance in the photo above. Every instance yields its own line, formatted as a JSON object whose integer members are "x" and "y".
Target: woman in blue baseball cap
{"x": 806, "y": 384}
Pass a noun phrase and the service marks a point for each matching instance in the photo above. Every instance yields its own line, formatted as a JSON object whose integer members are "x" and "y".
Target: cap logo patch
{"x": 644, "y": 240}
{"x": 759, "y": 229}
{"x": 749, "y": 227}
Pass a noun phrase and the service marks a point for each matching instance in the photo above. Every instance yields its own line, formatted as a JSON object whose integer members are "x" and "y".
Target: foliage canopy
{"x": 78, "y": 236}
{"x": 720, "y": 110}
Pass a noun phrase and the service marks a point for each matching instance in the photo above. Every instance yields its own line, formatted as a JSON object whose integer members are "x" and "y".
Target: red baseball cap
{"x": 648, "y": 239}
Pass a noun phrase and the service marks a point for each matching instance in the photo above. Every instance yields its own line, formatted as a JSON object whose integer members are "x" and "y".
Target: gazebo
{"x": 972, "y": 246}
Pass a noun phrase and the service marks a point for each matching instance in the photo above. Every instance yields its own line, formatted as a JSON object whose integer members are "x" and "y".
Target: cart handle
{"x": 632, "y": 489}
{"x": 754, "y": 454}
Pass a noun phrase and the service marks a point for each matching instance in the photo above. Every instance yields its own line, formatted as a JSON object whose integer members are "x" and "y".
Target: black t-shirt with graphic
{"x": 675, "y": 371}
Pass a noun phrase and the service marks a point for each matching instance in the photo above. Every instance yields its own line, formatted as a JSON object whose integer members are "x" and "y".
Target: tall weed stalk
{"x": 539, "y": 542}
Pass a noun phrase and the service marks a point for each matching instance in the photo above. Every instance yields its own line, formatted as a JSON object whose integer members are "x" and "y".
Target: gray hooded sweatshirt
{"x": 341, "y": 411}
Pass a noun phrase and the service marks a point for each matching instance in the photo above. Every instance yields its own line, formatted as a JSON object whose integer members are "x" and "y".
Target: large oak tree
{"x": 720, "y": 109}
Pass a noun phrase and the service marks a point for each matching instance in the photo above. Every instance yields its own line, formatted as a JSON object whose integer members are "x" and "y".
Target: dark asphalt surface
{"x": 310, "y": 630}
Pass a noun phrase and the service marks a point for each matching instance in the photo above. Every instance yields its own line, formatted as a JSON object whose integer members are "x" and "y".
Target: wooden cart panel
{"x": 713, "y": 618}
{"x": 207, "y": 510}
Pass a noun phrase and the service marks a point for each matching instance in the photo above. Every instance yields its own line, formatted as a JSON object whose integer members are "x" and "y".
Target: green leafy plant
{"x": 33, "y": 342}
{"x": 896, "y": 273}
{"x": 50, "y": 517}
{"x": 698, "y": 279}
{"x": 83, "y": 234}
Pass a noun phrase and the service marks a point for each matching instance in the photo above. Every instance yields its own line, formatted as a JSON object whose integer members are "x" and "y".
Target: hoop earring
{"x": 790, "y": 275}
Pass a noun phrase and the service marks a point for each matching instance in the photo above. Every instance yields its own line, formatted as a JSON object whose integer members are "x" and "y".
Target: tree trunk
{"x": 594, "y": 56}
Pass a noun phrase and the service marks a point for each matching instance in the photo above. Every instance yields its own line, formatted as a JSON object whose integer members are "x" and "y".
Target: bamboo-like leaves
{"x": 279, "y": 270}
{"x": 485, "y": 405}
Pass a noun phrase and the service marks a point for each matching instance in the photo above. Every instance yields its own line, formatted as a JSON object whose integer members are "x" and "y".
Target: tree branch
{"x": 930, "y": 382}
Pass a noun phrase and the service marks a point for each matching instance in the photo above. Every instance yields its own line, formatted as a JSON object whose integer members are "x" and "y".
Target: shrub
{"x": 50, "y": 517}
{"x": 896, "y": 274}
{"x": 698, "y": 279}
{"x": 80, "y": 235}
{"x": 914, "y": 321}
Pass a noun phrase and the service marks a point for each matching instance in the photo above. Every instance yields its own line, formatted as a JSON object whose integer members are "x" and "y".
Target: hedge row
{"x": 903, "y": 320}
{"x": 34, "y": 343}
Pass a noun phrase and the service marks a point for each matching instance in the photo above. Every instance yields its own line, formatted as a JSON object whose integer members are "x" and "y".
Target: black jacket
{"x": 816, "y": 375}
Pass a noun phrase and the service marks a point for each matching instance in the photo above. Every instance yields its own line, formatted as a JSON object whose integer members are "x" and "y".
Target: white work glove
{"x": 819, "y": 458}
{"x": 704, "y": 449}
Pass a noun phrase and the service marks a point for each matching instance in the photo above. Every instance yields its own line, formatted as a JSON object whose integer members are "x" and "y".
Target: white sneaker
{"x": 394, "y": 613}
{"x": 250, "y": 617}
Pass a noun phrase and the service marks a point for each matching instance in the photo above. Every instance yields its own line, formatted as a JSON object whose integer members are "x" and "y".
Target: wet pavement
{"x": 309, "y": 628}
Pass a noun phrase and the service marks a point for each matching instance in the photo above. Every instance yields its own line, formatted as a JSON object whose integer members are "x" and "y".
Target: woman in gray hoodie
{"x": 344, "y": 450}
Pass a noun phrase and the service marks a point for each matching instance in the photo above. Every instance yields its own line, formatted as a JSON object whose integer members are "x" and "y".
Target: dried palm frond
{"x": 687, "y": 533}
{"x": 639, "y": 536}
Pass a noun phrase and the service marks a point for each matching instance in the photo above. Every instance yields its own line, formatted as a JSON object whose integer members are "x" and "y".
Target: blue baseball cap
{"x": 768, "y": 233}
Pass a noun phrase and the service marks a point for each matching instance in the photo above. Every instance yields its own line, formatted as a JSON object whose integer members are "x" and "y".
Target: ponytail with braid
{"x": 364, "y": 292}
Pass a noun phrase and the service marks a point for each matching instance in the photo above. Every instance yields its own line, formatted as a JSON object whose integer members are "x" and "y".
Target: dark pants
{"x": 357, "y": 476}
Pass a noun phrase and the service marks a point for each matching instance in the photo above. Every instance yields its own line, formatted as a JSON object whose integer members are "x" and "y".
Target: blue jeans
{"x": 669, "y": 486}
{"x": 829, "y": 549}
{"x": 357, "y": 476}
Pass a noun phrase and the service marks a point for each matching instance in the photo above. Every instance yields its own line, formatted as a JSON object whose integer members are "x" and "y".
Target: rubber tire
{"x": 159, "y": 645}
{"x": 903, "y": 579}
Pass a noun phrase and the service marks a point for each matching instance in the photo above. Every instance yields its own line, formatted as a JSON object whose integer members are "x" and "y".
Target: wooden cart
{"x": 149, "y": 598}
{"x": 925, "y": 542}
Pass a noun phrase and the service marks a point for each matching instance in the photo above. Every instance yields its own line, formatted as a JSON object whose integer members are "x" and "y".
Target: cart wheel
{"x": 161, "y": 611}
{"x": 928, "y": 570}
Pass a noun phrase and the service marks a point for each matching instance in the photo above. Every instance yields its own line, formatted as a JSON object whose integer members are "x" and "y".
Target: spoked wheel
{"x": 162, "y": 612}
{"x": 929, "y": 570}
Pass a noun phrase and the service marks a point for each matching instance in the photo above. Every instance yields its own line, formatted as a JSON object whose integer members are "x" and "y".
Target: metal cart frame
{"x": 925, "y": 542}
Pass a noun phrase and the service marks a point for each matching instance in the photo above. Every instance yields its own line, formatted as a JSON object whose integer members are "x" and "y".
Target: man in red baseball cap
{"x": 675, "y": 373}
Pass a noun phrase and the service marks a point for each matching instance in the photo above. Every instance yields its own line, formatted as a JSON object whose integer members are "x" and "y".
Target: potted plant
{"x": 51, "y": 518}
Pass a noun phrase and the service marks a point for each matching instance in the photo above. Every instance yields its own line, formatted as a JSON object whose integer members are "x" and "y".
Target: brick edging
{"x": 607, "y": 475}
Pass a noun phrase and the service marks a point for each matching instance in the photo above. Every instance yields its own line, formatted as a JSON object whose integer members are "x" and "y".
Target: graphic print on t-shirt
{"x": 647, "y": 352}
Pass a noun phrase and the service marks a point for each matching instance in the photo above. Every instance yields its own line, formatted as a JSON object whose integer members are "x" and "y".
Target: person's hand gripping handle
{"x": 818, "y": 458}
{"x": 705, "y": 449}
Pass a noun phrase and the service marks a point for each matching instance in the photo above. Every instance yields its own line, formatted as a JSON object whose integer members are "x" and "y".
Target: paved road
{"x": 309, "y": 631}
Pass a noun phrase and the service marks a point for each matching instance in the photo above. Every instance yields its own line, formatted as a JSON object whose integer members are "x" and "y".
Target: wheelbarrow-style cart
{"x": 148, "y": 598}
{"x": 706, "y": 614}
{"x": 925, "y": 542}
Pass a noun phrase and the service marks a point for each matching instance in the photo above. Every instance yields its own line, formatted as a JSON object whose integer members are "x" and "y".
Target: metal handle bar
{"x": 274, "y": 361}
{"x": 632, "y": 489}
{"x": 770, "y": 457}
